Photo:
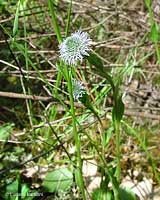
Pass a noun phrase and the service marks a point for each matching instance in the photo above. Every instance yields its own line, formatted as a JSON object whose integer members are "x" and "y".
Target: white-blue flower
{"x": 75, "y": 47}
{"x": 78, "y": 89}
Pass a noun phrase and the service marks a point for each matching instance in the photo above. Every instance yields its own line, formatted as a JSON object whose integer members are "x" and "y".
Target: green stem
{"x": 28, "y": 102}
{"x": 157, "y": 51}
{"x": 109, "y": 79}
{"x": 115, "y": 90}
{"x": 115, "y": 188}
{"x": 54, "y": 21}
{"x": 68, "y": 18}
{"x": 117, "y": 130}
{"x": 152, "y": 22}
{"x": 116, "y": 194}
{"x": 76, "y": 136}
{"x": 59, "y": 37}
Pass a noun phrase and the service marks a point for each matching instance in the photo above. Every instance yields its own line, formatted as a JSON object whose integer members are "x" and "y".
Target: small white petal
{"x": 78, "y": 89}
{"x": 75, "y": 47}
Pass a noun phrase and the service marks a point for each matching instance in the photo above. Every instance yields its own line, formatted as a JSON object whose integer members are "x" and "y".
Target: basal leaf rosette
{"x": 75, "y": 47}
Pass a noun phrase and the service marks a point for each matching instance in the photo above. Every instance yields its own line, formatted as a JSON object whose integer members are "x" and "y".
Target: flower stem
{"x": 76, "y": 136}
{"x": 117, "y": 130}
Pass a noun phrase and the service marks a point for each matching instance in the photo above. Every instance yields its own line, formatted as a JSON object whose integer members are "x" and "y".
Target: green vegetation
{"x": 79, "y": 83}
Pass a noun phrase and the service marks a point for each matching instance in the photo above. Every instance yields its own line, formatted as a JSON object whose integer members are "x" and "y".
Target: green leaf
{"x": 15, "y": 24}
{"x": 21, "y": 4}
{"x": 23, "y": 1}
{"x": 58, "y": 180}
{"x": 13, "y": 187}
{"x": 101, "y": 194}
{"x": 5, "y": 131}
{"x": 54, "y": 20}
{"x": 108, "y": 135}
{"x": 2, "y": 3}
{"x": 154, "y": 33}
{"x": 24, "y": 190}
{"x": 128, "y": 129}
{"x": 148, "y": 3}
{"x": 109, "y": 195}
{"x": 93, "y": 59}
{"x": 118, "y": 110}
{"x": 126, "y": 194}
{"x": 85, "y": 99}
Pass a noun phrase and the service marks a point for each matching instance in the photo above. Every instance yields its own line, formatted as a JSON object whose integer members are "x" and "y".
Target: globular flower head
{"x": 78, "y": 89}
{"x": 75, "y": 47}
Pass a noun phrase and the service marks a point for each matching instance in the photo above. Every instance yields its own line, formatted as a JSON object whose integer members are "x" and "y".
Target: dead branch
{"x": 36, "y": 98}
